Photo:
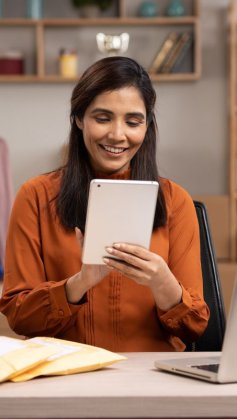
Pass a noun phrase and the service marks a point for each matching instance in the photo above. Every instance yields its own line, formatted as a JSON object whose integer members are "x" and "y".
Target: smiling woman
{"x": 142, "y": 300}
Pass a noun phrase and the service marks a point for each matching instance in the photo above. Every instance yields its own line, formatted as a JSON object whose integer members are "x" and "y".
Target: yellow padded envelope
{"x": 17, "y": 356}
{"x": 71, "y": 358}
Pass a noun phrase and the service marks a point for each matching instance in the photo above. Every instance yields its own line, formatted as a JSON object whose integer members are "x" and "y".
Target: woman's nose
{"x": 117, "y": 132}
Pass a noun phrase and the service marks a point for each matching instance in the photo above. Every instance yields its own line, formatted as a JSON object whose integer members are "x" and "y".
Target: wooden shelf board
{"x": 187, "y": 20}
{"x": 36, "y": 79}
{"x": 54, "y": 78}
{"x": 115, "y": 21}
{"x": 18, "y": 22}
{"x": 176, "y": 76}
{"x": 17, "y": 78}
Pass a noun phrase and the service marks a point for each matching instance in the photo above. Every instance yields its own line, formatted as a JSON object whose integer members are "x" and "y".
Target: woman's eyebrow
{"x": 101, "y": 110}
{"x": 136, "y": 115}
{"x": 129, "y": 114}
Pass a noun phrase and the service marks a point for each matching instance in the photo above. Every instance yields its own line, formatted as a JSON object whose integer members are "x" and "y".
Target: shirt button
{"x": 60, "y": 313}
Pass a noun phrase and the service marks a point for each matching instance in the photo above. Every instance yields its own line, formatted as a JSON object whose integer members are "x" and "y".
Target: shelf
{"x": 49, "y": 38}
{"x": 37, "y": 79}
{"x": 16, "y": 79}
{"x": 58, "y": 79}
{"x": 113, "y": 21}
{"x": 18, "y": 22}
{"x": 30, "y": 79}
{"x": 175, "y": 77}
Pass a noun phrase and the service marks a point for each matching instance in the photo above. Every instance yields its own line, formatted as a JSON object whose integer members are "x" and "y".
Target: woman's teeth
{"x": 116, "y": 150}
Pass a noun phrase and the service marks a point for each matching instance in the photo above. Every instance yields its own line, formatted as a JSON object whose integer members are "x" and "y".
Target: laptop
{"x": 217, "y": 368}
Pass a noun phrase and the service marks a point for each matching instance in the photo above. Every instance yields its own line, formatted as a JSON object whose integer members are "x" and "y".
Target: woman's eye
{"x": 133, "y": 123}
{"x": 101, "y": 119}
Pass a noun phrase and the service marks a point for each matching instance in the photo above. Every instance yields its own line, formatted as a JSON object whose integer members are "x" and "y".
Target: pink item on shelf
{"x": 6, "y": 196}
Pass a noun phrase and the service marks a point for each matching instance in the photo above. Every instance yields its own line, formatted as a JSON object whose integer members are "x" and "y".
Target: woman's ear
{"x": 79, "y": 123}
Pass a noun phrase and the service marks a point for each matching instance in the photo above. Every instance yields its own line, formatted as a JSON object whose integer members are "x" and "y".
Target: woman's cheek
{"x": 98, "y": 131}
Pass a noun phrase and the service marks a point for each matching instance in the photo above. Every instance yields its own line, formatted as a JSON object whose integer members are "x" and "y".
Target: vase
{"x": 1, "y": 9}
{"x": 91, "y": 11}
{"x": 34, "y": 9}
{"x": 148, "y": 9}
{"x": 175, "y": 8}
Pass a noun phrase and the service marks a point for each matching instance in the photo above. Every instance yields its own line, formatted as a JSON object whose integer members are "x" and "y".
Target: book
{"x": 163, "y": 52}
{"x": 182, "y": 53}
{"x": 178, "y": 52}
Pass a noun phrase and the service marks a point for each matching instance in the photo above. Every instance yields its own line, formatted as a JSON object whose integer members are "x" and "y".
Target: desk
{"x": 127, "y": 389}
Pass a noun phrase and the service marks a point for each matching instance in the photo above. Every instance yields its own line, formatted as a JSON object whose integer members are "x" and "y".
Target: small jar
{"x": 68, "y": 63}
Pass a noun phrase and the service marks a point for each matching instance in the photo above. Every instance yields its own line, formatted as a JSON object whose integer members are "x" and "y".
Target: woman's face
{"x": 114, "y": 127}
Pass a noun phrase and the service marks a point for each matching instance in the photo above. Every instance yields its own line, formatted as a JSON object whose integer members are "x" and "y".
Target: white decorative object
{"x": 112, "y": 44}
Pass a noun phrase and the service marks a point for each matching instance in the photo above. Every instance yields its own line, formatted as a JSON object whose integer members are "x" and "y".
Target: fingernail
{"x": 116, "y": 245}
{"x": 109, "y": 249}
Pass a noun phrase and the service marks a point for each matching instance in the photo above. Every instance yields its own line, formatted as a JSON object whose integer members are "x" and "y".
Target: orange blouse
{"x": 117, "y": 314}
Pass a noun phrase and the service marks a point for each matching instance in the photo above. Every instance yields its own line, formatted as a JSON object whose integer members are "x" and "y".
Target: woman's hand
{"x": 88, "y": 277}
{"x": 146, "y": 268}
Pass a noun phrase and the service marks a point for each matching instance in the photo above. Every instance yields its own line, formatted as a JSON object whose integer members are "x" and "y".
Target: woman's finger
{"x": 130, "y": 271}
{"x": 132, "y": 259}
{"x": 79, "y": 236}
{"x": 139, "y": 251}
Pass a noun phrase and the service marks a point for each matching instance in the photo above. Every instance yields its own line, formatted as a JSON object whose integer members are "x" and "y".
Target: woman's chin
{"x": 113, "y": 169}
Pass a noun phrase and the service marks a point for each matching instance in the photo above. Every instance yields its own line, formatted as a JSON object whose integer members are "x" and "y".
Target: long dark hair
{"x": 108, "y": 74}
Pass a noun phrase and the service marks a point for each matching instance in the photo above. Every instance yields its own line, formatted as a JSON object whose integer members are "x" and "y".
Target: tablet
{"x": 118, "y": 211}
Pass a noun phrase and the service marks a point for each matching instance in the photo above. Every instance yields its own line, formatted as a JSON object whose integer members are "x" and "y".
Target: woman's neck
{"x": 124, "y": 175}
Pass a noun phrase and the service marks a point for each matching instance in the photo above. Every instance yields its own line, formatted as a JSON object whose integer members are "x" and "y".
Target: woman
{"x": 153, "y": 303}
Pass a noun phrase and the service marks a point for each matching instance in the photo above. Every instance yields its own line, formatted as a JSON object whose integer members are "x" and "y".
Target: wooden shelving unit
{"x": 123, "y": 19}
{"x": 233, "y": 125}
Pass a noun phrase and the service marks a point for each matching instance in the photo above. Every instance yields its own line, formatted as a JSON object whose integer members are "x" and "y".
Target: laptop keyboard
{"x": 208, "y": 367}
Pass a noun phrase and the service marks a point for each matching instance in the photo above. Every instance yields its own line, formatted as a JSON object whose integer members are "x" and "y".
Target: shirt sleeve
{"x": 33, "y": 303}
{"x": 187, "y": 320}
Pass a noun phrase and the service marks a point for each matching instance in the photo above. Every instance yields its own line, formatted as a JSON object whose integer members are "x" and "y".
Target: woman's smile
{"x": 113, "y": 150}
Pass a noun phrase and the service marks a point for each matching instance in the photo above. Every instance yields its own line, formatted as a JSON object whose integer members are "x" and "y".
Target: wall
{"x": 192, "y": 118}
